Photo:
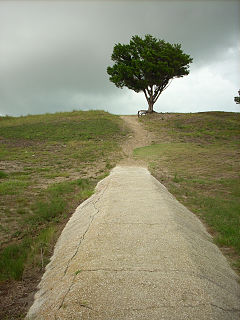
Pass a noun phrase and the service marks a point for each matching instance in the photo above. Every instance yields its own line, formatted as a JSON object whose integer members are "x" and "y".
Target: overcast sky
{"x": 54, "y": 54}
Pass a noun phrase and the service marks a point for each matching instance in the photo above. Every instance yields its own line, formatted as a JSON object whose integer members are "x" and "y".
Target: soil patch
{"x": 17, "y": 296}
{"x": 139, "y": 137}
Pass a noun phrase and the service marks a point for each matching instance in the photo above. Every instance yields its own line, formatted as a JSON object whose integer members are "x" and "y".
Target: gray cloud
{"x": 54, "y": 55}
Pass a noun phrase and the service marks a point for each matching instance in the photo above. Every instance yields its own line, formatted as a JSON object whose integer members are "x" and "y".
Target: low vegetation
{"x": 49, "y": 165}
{"x": 197, "y": 157}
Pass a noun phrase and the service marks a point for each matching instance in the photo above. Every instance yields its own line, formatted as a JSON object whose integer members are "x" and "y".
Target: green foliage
{"x": 147, "y": 65}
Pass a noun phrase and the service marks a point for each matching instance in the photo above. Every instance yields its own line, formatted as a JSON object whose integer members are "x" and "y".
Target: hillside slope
{"x": 49, "y": 164}
{"x": 197, "y": 157}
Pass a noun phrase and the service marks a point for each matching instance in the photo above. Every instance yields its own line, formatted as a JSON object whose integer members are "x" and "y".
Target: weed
{"x": 3, "y": 174}
{"x": 77, "y": 272}
{"x": 12, "y": 260}
{"x": 58, "y": 189}
{"x": 176, "y": 178}
{"x": 41, "y": 245}
{"x": 15, "y": 257}
{"x": 11, "y": 187}
{"x": 21, "y": 211}
{"x": 46, "y": 211}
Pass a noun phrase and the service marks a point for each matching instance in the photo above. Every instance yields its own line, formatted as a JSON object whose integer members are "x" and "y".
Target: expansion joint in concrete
{"x": 184, "y": 305}
{"x": 132, "y": 223}
{"x": 124, "y": 270}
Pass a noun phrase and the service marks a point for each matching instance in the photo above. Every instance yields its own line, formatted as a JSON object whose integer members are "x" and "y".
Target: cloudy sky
{"x": 54, "y": 54}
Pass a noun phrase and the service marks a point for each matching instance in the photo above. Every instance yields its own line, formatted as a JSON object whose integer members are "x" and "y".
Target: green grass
{"x": 47, "y": 211}
{"x": 196, "y": 156}
{"x": 30, "y": 252}
{"x": 224, "y": 216}
{"x": 64, "y": 130}
{"x": 12, "y": 187}
{"x": 3, "y": 174}
{"x": 63, "y": 127}
{"x": 51, "y": 163}
{"x": 53, "y": 201}
{"x": 12, "y": 261}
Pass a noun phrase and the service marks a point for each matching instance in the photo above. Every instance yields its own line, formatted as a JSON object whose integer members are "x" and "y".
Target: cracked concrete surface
{"x": 131, "y": 251}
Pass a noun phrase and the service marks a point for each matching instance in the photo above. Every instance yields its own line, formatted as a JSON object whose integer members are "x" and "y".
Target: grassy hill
{"x": 49, "y": 164}
{"x": 197, "y": 157}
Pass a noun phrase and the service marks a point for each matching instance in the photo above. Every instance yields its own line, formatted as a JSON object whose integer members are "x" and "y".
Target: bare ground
{"x": 138, "y": 138}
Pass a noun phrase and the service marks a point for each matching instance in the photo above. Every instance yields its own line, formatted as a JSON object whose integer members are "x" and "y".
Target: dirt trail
{"x": 139, "y": 138}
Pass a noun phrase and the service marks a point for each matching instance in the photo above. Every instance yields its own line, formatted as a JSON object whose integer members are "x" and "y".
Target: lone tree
{"x": 148, "y": 65}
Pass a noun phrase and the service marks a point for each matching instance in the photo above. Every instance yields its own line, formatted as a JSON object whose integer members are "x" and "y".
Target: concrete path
{"x": 132, "y": 251}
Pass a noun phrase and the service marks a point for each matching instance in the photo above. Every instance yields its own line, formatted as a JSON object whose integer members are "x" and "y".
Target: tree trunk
{"x": 150, "y": 106}
{"x": 150, "y": 99}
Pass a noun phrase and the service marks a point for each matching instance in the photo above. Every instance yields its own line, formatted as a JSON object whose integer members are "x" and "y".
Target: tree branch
{"x": 145, "y": 92}
{"x": 159, "y": 90}
{"x": 149, "y": 91}
{"x": 156, "y": 91}
{"x": 167, "y": 85}
{"x": 157, "y": 96}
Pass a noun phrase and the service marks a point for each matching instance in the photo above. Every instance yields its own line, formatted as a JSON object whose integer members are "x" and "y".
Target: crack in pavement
{"x": 87, "y": 307}
{"x": 81, "y": 304}
{"x": 93, "y": 202}
{"x": 61, "y": 304}
{"x": 226, "y": 310}
{"x": 92, "y": 217}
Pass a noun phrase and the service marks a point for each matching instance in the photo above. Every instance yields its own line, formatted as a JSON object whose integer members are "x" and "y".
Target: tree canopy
{"x": 148, "y": 65}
